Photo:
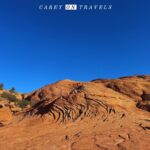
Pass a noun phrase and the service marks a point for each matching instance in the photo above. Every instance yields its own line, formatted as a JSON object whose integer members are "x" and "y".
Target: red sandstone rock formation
{"x": 98, "y": 115}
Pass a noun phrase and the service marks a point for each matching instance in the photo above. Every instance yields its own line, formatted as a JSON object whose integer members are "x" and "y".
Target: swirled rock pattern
{"x": 103, "y": 114}
{"x": 70, "y": 101}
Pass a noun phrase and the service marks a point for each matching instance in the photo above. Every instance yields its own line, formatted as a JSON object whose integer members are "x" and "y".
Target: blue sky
{"x": 41, "y": 47}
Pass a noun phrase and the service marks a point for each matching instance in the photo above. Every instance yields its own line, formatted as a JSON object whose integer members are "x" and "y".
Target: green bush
{"x": 12, "y": 90}
{"x": 23, "y": 103}
{"x": 9, "y": 96}
{"x": 1, "y": 86}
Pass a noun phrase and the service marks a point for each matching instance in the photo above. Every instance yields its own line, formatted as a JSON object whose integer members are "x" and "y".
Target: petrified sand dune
{"x": 98, "y": 115}
{"x": 72, "y": 101}
{"x": 136, "y": 87}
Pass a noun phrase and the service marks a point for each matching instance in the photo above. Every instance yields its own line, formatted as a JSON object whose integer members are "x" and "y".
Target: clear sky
{"x": 41, "y": 47}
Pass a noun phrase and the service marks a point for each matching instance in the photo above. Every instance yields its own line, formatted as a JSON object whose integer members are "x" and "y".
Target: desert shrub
{"x": 1, "y": 86}
{"x": 12, "y": 90}
{"x": 9, "y": 96}
{"x": 23, "y": 103}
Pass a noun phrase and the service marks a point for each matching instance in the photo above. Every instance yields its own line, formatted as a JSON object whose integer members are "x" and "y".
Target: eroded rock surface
{"x": 5, "y": 113}
{"x": 68, "y": 115}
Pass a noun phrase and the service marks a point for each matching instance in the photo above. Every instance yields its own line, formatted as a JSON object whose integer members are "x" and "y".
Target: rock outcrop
{"x": 70, "y": 101}
{"x": 104, "y": 114}
{"x": 5, "y": 113}
{"x": 136, "y": 87}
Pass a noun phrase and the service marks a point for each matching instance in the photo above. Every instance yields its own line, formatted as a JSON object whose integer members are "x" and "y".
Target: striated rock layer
{"x": 110, "y": 114}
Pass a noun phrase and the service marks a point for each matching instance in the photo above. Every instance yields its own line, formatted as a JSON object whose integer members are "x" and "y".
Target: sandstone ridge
{"x": 103, "y": 114}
